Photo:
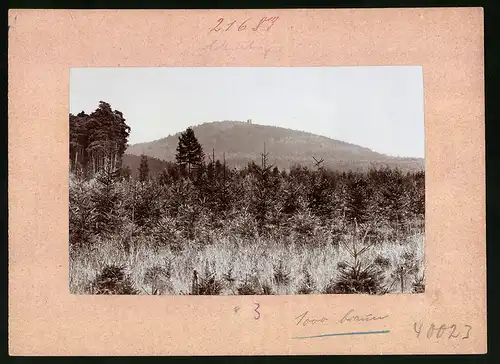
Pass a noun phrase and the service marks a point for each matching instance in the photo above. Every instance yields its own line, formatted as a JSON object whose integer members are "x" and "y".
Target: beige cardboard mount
{"x": 45, "y": 319}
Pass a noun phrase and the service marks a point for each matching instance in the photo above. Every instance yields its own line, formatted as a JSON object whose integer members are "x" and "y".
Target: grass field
{"x": 243, "y": 266}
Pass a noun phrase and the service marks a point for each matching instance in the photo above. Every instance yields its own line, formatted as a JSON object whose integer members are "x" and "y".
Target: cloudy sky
{"x": 380, "y": 108}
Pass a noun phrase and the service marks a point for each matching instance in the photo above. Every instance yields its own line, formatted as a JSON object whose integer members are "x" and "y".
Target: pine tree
{"x": 144, "y": 169}
{"x": 97, "y": 141}
{"x": 189, "y": 152}
{"x": 108, "y": 135}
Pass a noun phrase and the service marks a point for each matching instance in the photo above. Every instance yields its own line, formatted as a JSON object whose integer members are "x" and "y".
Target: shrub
{"x": 307, "y": 285}
{"x": 356, "y": 279}
{"x": 404, "y": 268}
{"x": 158, "y": 278}
{"x": 107, "y": 204}
{"x": 229, "y": 278}
{"x": 82, "y": 215}
{"x": 243, "y": 225}
{"x": 281, "y": 276}
{"x": 206, "y": 284}
{"x": 113, "y": 280}
{"x": 252, "y": 286}
{"x": 303, "y": 222}
{"x": 418, "y": 285}
{"x": 358, "y": 276}
{"x": 247, "y": 288}
{"x": 166, "y": 233}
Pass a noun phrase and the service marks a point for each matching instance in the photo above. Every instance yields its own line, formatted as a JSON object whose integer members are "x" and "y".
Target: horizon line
{"x": 275, "y": 126}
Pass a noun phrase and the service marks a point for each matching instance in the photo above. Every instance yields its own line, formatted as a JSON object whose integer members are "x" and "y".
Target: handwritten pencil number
{"x": 418, "y": 329}
{"x": 264, "y": 24}
{"x": 273, "y": 20}
{"x": 257, "y": 311}
{"x": 452, "y": 334}
{"x": 453, "y": 331}
{"x": 243, "y": 26}
{"x": 230, "y": 25}
{"x": 440, "y": 331}
{"x": 468, "y": 330}
{"x": 430, "y": 331}
{"x": 217, "y": 27}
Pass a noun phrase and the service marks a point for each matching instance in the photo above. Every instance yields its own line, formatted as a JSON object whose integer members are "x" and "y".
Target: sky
{"x": 381, "y": 108}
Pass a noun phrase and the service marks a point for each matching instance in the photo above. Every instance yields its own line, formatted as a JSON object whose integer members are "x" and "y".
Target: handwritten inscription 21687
{"x": 263, "y": 24}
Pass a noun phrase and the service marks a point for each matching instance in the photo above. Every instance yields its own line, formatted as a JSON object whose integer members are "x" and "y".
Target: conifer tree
{"x": 189, "y": 154}
{"x": 82, "y": 215}
{"x": 106, "y": 200}
{"x": 319, "y": 194}
{"x": 263, "y": 191}
{"x": 97, "y": 141}
{"x": 357, "y": 199}
{"x": 144, "y": 169}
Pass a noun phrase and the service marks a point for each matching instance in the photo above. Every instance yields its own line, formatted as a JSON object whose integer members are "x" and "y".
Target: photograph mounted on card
{"x": 288, "y": 181}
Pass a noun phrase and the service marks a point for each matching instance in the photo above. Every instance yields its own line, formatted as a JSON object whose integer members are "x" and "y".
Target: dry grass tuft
{"x": 113, "y": 280}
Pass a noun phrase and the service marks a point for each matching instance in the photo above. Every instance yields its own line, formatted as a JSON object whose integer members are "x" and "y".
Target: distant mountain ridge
{"x": 242, "y": 142}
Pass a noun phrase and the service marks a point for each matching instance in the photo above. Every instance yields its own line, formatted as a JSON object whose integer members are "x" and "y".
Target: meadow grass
{"x": 282, "y": 266}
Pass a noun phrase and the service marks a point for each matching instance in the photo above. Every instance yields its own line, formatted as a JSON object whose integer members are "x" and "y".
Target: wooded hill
{"x": 242, "y": 142}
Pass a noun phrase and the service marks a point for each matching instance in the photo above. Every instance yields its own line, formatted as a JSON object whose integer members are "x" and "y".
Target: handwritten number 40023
{"x": 264, "y": 23}
{"x": 449, "y": 332}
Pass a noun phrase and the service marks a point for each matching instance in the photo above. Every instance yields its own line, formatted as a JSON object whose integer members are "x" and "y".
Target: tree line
{"x": 97, "y": 141}
{"x": 198, "y": 195}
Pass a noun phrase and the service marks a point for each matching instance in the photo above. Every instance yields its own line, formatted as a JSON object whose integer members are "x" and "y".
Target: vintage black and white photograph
{"x": 246, "y": 180}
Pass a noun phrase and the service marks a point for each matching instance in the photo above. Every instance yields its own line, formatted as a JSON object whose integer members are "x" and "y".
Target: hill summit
{"x": 244, "y": 141}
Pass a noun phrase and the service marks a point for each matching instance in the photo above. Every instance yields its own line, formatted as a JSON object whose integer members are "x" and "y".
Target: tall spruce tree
{"x": 144, "y": 169}
{"x": 189, "y": 154}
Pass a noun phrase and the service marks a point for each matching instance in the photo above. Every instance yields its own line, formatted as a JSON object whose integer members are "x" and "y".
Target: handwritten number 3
{"x": 256, "y": 311}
